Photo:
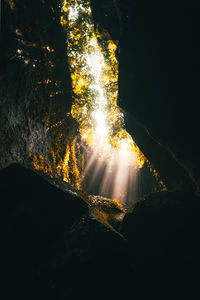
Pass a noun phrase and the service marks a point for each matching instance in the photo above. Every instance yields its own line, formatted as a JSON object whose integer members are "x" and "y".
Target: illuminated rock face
{"x": 49, "y": 117}
{"x": 36, "y": 95}
{"x": 35, "y": 85}
{"x": 90, "y": 257}
{"x": 36, "y": 127}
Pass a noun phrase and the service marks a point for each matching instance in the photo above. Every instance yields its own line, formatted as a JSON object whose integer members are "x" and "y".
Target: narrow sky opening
{"x": 113, "y": 158}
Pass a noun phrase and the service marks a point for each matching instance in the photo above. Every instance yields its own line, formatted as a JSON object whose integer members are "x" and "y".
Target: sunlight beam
{"x": 94, "y": 72}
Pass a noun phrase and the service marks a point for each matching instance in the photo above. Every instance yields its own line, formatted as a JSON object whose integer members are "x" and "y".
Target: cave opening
{"x": 64, "y": 141}
{"x": 111, "y": 159}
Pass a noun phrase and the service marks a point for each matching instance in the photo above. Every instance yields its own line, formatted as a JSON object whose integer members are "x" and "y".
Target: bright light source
{"x": 73, "y": 13}
{"x": 96, "y": 63}
{"x": 101, "y": 100}
{"x": 100, "y": 126}
{"x": 101, "y": 121}
{"x": 124, "y": 146}
{"x": 99, "y": 117}
{"x": 97, "y": 88}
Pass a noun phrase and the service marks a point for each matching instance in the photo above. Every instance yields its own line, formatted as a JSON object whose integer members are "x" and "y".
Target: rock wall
{"x": 158, "y": 81}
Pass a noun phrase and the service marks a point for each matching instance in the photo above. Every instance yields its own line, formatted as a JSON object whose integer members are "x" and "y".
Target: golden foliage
{"x": 75, "y": 169}
{"x": 94, "y": 73}
{"x": 54, "y": 166}
{"x": 156, "y": 176}
{"x": 41, "y": 164}
{"x": 65, "y": 165}
{"x": 11, "y": 4}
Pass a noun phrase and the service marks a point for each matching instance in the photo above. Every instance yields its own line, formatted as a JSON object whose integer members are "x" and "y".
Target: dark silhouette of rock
{"x": 34, "y": 216}
{"x": 163, "y": 239}
{"x": 158, "y": 80}
{"x": 50, "y": 246}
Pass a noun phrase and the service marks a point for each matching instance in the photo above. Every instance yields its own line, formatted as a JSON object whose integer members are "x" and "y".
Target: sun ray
{"x": 94, "y": 73}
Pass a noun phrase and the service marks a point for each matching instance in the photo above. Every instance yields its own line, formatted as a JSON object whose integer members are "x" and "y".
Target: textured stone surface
{"x": 52, "y": 248}
{"x": 35, "y": 93}
{"x": 157, "y": 87}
